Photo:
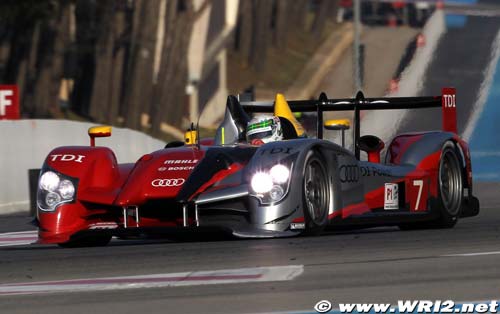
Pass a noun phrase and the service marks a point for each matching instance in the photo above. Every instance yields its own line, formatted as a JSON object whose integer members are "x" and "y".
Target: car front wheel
{"x": 316, "y": 194}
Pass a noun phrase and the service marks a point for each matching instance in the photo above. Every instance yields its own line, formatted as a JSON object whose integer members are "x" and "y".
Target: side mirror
{"x": 191, "y": 135}
{"x": 338, "y": 125}
{"x": 372, "y": 145}
{"x": 99, "y": 131}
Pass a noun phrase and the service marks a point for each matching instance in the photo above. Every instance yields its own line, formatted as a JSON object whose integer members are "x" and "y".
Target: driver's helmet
{"x": 264, "y": 128}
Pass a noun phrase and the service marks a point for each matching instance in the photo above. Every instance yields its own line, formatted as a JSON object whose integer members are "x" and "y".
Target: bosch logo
{"x": 162, "y": 183}
{"x": 349, "y": 173}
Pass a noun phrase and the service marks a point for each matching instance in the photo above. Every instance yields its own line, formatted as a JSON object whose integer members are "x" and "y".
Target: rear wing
{"x": 447, "y": 101}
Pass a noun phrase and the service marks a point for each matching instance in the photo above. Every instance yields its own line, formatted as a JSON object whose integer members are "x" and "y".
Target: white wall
{"x": 26, "y": 143}
{"x": 385, "y": 123}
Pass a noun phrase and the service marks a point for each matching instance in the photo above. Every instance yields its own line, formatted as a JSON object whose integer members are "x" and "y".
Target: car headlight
{"x": 52, "y": 199}
{"x": 272, "y": 185}
{"x": 49, "y": 181}
{"x": 261, "y": 182}
{"x": 66, "y": 189}
{"x": 55, "y": 189}
{"x": 280, "y": 173}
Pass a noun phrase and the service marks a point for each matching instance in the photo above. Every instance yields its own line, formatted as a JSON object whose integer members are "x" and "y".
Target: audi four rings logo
{"x": 163, "y": 183}
{"x": 349, "y": 173}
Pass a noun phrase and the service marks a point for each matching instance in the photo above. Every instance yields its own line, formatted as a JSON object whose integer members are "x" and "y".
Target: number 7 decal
{"x": 420, "y": 185}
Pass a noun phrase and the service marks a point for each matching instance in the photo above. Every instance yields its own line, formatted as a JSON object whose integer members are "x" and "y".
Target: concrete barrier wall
{"x": 385, "y": 123}
{"x": 26, "y": 143}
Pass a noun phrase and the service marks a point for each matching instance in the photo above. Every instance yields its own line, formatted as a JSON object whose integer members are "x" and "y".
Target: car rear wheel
{"x": 450, "y": 185}
{"x": 316, "y": 194}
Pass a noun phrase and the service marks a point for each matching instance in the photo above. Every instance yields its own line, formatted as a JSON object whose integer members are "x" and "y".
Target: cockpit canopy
{"x": 233, "y": 128}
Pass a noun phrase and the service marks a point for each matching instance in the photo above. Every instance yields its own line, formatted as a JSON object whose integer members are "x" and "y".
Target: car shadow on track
{"x": 210, "y": 237}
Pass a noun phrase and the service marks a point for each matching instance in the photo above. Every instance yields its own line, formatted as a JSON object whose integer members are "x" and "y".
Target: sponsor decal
{"x": 297, "y": 225}
{"x": 349, "y": 173}
{"x": 180, "y": 161}
{"x": 103, "y": 225}
{"x": 67, "y": 157}
{"x": 277, "y": 150}
{"x": 449, "y": 101}
{"x": 181, "y": 168}
{"x": 162, "y": 183}
{"x": 374, "y": 171}
{"x": 9, "y": 102}
{"x": 391, "y": 197}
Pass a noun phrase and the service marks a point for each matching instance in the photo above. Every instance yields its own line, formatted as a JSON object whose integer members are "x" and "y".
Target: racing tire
{"x": 450, "y": 187}
{"x": 448, "y": 205}
{"x": 316, "y": 194}
{"x": 87, "y": 242}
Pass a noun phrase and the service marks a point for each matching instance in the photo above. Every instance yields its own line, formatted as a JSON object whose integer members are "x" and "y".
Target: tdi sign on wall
{"x": 9, "y": 102}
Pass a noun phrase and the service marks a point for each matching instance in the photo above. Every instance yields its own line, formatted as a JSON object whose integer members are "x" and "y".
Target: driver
{"x": 264, "y": 129}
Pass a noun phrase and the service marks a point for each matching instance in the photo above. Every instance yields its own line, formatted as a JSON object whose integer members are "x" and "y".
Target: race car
{"x": 302, "y": 184}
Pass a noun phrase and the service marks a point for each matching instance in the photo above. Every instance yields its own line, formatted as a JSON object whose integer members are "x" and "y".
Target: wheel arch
{"x": 273, "y": 152}
{"x": 463, "y": 149}
{"x": 415, "y": 148}
{"x": 463, "y": 155}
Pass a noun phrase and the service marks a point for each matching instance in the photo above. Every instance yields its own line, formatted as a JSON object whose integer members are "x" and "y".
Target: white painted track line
{"x": 18, "y": 238}
{"x": 241, "y": 275}
{"x": 472, "y": 254}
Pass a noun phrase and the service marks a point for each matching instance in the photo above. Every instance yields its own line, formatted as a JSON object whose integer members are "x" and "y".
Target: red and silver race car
{"x": 300, "y": 185}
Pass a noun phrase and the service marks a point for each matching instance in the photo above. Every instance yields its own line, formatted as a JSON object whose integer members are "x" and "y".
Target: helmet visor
{"x": 260, "y": 130}
{"x": 260, "y": 134}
